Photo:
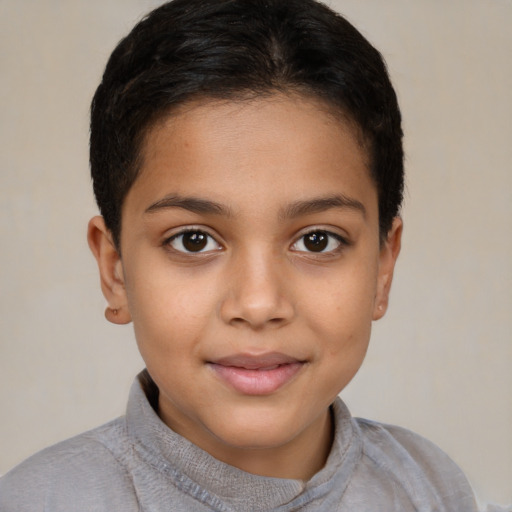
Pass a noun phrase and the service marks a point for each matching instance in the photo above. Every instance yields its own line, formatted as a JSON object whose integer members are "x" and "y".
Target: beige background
{"x": 440, "y": 361}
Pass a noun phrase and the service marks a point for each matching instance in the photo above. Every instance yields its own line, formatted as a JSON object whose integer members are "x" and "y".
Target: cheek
{"x": 345, "y": 341}
{"x": 169, "y": 312}
{"x": 341, "y": 312}
{"x": 346, "y": 297}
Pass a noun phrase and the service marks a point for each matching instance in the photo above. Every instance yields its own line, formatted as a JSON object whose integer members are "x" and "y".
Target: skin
{"x": 275, "y": 169}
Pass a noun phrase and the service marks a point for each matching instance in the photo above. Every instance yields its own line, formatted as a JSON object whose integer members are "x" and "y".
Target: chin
{"x": 258, "y": 429}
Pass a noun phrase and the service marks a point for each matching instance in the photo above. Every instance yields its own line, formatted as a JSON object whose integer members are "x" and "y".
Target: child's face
{"x": 251, "y": 268}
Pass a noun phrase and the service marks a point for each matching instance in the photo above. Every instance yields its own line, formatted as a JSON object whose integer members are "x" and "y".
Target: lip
{"x": 257, "y": 374}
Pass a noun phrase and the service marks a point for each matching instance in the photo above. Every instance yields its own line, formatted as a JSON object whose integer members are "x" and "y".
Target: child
{"x": 247, "y": 161}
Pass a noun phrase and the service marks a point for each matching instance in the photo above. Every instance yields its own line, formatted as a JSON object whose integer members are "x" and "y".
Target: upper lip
{"x": 256, "y": 362}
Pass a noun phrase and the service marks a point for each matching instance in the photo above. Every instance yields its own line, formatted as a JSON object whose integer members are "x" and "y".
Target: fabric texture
{"x": 136, "y": 463}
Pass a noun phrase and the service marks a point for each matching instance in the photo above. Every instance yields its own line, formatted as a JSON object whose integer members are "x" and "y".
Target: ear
{"x": 111, "y": 271}
{"x": 387, "y": 258}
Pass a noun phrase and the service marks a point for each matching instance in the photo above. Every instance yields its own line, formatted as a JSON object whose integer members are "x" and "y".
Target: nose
{"x": 257, "y": 295}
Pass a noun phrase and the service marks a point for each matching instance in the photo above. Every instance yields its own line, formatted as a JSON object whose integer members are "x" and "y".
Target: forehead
{"x": 284, "y": 147}
{"x": 247, "y": 111}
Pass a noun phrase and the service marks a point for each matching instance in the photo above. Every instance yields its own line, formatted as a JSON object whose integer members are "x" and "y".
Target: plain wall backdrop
{"x": 440, "y": 361}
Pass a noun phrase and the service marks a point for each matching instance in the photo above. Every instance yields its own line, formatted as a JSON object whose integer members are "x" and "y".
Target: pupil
{"x": 316, "y": 242}
{"x": 194, "y": 241}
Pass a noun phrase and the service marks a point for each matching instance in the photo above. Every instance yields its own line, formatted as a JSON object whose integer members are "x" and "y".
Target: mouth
{"x": 257, "y": 375}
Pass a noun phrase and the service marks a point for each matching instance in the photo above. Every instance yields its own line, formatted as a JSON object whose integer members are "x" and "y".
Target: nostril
{"x": 258, "y": 324}
{"x": 277, "y": 320}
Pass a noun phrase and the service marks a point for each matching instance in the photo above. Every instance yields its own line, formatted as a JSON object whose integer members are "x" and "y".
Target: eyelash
{"x": 201, "y": 236}
{"x": 329, "y": 235}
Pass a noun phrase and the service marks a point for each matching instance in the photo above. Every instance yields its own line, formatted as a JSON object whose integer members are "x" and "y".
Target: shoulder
{"x": 416, "y": 464}
{"x": 402, "y": 444}
{"x": 71, "y": 476}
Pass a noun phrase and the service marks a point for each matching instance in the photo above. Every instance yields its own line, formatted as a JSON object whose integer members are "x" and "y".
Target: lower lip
{"x": 257, "y": 382}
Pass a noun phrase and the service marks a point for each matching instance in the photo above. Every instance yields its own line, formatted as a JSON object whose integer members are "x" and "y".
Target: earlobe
{"x": 111, "y": 271}
{"x": 388, "y": 255}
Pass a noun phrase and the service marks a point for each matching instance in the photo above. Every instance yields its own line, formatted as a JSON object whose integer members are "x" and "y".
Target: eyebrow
{"x": 193, "y": 204}
{"x": 293, "y": 210}
{"x": 321, "y": 204}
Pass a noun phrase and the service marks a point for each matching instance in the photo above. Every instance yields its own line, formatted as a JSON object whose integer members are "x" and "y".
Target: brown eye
{"x": 193, "y": 241}
{"x": 319, "y": 241}
{"x": 316, "y": 242}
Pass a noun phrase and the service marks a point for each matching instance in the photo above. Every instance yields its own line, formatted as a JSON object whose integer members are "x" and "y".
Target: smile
{"x": 257, "y": 375}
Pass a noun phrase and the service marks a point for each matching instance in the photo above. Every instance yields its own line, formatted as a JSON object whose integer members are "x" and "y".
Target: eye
{"x": 318, "y": 241}
{"x": 193, "y": 241}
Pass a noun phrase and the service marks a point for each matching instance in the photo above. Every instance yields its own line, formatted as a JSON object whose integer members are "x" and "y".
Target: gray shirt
{"x": 136, "y": 463}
